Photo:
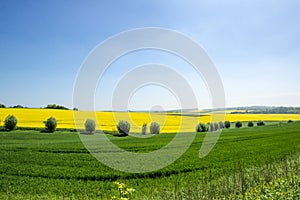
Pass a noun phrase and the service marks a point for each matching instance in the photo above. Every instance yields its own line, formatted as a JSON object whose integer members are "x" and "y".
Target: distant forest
{"x": 49, "y": 106}
{"x": 266, "y": 110}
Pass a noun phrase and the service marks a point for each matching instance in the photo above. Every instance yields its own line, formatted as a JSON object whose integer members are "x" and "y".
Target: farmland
{"x": 170, "y": 122}
{"x": 244, "y": 162}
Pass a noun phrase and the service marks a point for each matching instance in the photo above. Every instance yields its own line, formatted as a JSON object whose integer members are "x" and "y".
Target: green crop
{"x": 37, "y": 165}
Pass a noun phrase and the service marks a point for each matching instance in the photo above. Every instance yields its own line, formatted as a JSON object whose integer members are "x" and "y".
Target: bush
{"x": 201, "y": 127}
{"x": 144, "y": 129}
{"x": 260, "y": 123}
{"x": 221, "y": 125}
{"x": 290, "y": 121}
{"x": 211, "y": 127}
{"x": 238, "y": 124}
{"x": 10, "y": 122}
{"x": 90, "y": 125}
{"x": 123, "y": 127}
{"x": 250, "y": 124}
{"x": 227, "y": 124}
{"x": 216, "y": 126}
{"x": 154, "y": 128}
{"x": 51, "y": 124}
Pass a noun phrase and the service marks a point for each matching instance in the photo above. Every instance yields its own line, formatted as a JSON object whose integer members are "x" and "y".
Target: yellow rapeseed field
{"x": 107, "y": 120}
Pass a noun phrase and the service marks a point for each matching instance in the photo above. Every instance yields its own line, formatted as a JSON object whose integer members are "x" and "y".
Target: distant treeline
{"x": 267, "y": 110}
{"x": 54, "y": 106}
{"x": 49, "y": 106}
{"x": 17, "y": 106}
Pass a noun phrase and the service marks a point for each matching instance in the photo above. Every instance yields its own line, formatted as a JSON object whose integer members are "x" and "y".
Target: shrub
{"x": 238, "y": 124}
{"x": 211, "y": 127}
{"x": 250, "y": 124}
{"x": 216, "y": 126}
{"x": 90, "y": 125}
{"x": 10, "y": 122}
{"x": 221, "y": 125}
{"x": 123, "y": 127}
{"x": 260, "y": 123}
{"x": 51, "y": 124}
{"x": 201, "y": 127}
{"x": 290, "y": 121}
{"x": 227, "y": 124}
{"x": 154, "y": 128}
{"x": 144, "y": 129}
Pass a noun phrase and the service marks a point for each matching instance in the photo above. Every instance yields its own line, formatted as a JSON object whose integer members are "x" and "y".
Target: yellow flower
{"x": 130, "y": 190}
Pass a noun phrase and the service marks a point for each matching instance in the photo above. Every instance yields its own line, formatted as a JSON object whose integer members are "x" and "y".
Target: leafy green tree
{"x": 51, "y": 124}
{"x": 211, "y": 126}
{"x": 201, "y": 127}
{"x": 144, "y": 129}
{"x": 10, "y": 122}
{"x": 154, "y": 128}
{"x": 238, "y": 124}
{"x": 216, "y": 126}
{"x": 18, "y": 106}
{"x": 2, "y": 106}
{"x": 227, "y": 124}
{"x": 90, "y": 125}
{"x": 250, "y": 124}
{"x": 260, "y": 123}
{"x": 123, "y": 127}
{"x": 54, "y": 106}
{"x": 221, "y": 125}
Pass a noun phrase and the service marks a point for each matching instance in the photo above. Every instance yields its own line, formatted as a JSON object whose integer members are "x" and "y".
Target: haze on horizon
{"x": 254, "y": 45}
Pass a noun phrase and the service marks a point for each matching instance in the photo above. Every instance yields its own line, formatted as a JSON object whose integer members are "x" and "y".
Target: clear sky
{"x": 255, "y": 46}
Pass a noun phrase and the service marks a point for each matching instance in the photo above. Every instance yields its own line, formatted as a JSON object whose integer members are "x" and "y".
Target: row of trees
{"x": 214, "y": 126}
{"x": 10, "y": 123}
{"x": 49, "y": 106}
{"x": 123, "y": 127}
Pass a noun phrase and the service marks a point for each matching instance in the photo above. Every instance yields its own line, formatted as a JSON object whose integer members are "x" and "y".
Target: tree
{"x": 238, "y": 124}
{"x": 2, "y": 106}
{"x": 54, "y": 106}
{"x": 250, "y": 124}
{"x": 227, "y": 124}
{"x": 18, "y": 106}
{"x": 123, "y": 127}
{"x": 201, "y": 127}
{"x": 144, "y": 129}
{"x": 290, "y": 121}
{"x": 216, "y": 126}
{"x": 260, "y": 123}
{"x": 221, "y": 125}
{"x": 154, "y": 128}
{"x": 51, "y": 124}
{"x": 211, "y": 127}
{"x": 90, "y": 125}
{"x": 10, "y": 122}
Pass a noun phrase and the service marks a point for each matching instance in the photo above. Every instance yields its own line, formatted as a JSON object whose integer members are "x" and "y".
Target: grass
{"x": 36, "y": 165}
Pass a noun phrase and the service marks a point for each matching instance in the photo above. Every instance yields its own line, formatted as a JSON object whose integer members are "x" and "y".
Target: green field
{"x": 245, "y": 161}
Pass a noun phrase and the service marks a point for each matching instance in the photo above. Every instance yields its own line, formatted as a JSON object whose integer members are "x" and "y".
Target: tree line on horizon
{"x": 49, "y": 106}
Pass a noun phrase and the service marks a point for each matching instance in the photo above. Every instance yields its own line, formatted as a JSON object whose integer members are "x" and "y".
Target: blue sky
{"x": 255, "y": 46}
